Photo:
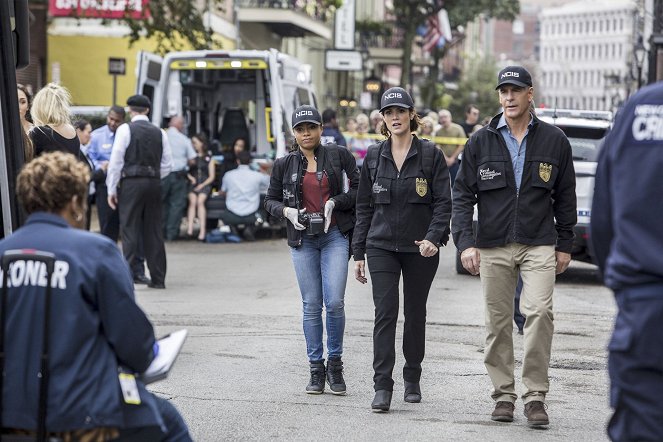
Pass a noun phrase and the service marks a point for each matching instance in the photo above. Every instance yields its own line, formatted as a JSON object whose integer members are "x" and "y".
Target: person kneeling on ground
{"x": 96, "y": 328}
{"x": 242, "y": 188}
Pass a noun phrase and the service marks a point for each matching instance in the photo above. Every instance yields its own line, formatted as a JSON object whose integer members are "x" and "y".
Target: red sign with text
{"x": 98, "y": 8}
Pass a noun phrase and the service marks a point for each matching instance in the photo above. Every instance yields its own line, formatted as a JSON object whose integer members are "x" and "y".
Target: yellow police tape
{"x": 380, "y": 137}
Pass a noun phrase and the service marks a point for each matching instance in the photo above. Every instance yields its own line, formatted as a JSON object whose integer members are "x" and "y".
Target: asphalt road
{"x": 243, "y": 369}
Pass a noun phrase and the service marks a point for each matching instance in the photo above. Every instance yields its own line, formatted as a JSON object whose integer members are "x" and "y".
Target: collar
{"x": 414, "y": 148}
{"x": 502, "y": 122}
{"x": 244, "y": 166}
{"x": 48, "y": 218}
{"x": 140, "y": 118}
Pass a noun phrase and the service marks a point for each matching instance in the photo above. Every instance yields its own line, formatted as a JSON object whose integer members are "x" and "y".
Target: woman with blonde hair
{"x": 53, "y": 130}
{"x": 359, "y": 142}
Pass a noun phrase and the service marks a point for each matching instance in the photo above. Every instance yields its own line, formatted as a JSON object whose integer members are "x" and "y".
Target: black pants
{"x": 109, "y": 220}
{"x": 140, "y": 218}
{"x": 418, "y": 272}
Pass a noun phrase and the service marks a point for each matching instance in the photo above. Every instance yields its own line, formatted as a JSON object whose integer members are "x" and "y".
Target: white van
{"x": 228, "y": 94}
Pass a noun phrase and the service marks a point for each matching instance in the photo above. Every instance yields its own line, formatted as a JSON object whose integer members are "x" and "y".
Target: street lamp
{"x": 639, "y": 51}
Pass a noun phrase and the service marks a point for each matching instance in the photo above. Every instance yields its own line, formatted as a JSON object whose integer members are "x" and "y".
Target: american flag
{"x": 433, "y": 33}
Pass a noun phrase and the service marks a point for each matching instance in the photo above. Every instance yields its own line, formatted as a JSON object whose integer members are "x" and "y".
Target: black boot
{"x": 335, "y": 376}
{"x": 382, "y": 401}
{"x": 412, "y": 392}
{"x": 317, "y": 383}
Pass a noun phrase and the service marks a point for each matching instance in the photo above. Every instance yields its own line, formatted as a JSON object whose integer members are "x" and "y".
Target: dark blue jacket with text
{"x": 627, "y": 212}
{"x": 96, "y": 326}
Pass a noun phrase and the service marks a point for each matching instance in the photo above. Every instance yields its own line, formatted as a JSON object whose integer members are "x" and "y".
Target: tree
{"x": 412, "y": 13}
{"x": 477, "y": 86}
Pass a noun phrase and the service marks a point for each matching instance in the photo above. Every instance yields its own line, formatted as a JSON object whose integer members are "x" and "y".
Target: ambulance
{"x": 228, "y": 95}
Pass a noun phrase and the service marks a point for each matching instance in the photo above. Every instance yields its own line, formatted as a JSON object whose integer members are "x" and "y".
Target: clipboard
{"x": 169, "y": 347}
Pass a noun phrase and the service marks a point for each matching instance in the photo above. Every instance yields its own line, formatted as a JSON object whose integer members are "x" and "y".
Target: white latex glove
{"x": 292, "y": 214}
{"x": 329, "y": 208}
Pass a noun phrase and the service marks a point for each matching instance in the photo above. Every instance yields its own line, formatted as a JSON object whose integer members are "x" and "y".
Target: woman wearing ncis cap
{"x": 306, "y": 187}
{"x": 403, "y": 213}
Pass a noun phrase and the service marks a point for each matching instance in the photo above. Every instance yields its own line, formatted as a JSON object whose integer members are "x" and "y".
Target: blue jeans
{"x": 321, "y": 266}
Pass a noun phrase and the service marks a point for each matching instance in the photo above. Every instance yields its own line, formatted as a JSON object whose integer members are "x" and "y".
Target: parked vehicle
{"x": 228, "y": 94}
{"x": 586, "y": 131}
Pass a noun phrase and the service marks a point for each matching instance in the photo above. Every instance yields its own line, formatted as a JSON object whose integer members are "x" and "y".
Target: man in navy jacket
{"x": 627, "y": 235}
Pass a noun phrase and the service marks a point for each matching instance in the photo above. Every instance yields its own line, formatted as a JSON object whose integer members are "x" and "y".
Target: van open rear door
{"x": 14, "y": 53}
{"x": 148, "y": 76}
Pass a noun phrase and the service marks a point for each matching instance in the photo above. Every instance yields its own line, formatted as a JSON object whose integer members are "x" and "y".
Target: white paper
{"x": 169, "y": 348}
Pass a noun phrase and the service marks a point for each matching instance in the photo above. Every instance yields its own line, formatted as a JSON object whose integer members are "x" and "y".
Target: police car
{"x": 586, "y": 131}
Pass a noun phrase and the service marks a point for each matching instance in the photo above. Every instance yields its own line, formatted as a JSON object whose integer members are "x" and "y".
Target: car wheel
{"x": 459, "y": 265}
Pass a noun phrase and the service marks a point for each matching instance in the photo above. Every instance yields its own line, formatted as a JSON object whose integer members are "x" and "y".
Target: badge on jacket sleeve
{"x": 422, "y": 187}
{"x": 545, "y": 171}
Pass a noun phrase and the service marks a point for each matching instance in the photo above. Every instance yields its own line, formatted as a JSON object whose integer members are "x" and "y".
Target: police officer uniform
{"x": 627, "y": 235}
{"x": 95, "y": 326}
{"x": 395, "y": 209}
{"x": 140, "y": 157}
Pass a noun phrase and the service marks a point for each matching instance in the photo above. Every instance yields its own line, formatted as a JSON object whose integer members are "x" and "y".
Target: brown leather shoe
{"x": 535, "y": 412}
{"x": 503, "y": 412}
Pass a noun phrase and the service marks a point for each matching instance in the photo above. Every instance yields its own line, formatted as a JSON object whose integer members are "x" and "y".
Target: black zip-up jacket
{"x": 543, "y": 212}
{"x": 400, "y": 208}
{"x": 285, "y": 187}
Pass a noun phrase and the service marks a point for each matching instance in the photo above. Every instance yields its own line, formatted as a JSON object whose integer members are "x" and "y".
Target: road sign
{"x": 343, "y": 60}
{"x": 117, "y": 66}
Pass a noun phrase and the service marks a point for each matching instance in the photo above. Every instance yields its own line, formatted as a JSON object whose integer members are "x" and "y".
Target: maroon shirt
{"x": 312, "y": 190}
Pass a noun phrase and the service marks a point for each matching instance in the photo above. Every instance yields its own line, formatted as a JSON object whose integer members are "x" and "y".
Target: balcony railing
{"x": 313, "y": 9}
{"x": 393, "y": 41}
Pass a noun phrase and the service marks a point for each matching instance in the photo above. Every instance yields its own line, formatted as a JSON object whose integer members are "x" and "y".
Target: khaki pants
{"x": 499, "y": 269}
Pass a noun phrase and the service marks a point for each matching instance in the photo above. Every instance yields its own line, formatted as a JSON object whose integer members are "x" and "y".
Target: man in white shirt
{"x": 139, "y": 158}
{"x": 174, "y": 185}
{"x": 242, "y": 187}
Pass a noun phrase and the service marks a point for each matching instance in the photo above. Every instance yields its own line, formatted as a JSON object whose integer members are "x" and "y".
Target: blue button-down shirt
{"x": 517, "y": 151}
{"x": 101, "y": 144}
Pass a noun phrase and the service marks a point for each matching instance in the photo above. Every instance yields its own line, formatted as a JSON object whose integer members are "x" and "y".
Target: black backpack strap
{"x": 49, "y": 261}
{"x": 427, "y": 158}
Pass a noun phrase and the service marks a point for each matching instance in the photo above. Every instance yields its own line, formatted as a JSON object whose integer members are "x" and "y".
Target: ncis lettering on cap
{"x": 306, "y": 114}
{"x": 396, "y": 96}
{"x": 516, "y": 75}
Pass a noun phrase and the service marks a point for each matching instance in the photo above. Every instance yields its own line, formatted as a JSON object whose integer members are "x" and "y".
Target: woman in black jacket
{"x": 306, "y": 187}
{"x": 403, "y": 213}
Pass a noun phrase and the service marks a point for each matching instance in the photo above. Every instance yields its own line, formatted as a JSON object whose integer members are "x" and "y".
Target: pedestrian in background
{"x": 330, "y": 132}
{"x": 403, "y": 212}
{"x": 526, "y": 215}
{"x": 201, "y": 175}
{"x": 174, "y": 186}
{"x": 471, "y": 123}
{"x": 139, "y": 157}
{"x": 306, "y": 188}
{"x": 51, "y": 113}
{"x": 627, "y": 235}
{"x": 241, "y": 188}
{"x": 24, "y": 103}
{"x": 99, "y": 151}
{"x": 358, "y": 143}
{"x": 449, "y": 129}
{"x": 83, "y": 130}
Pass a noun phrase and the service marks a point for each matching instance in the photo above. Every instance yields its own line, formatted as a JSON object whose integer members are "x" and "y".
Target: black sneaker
{"x": 317, "y": 383}
{"x": 335, "y": 376}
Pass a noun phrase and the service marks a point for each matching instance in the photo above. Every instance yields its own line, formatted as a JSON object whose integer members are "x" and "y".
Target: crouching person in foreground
{"x": 96, "y": 329}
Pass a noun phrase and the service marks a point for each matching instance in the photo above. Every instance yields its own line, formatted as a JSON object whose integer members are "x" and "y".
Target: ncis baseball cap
{"x": 139, "y": 101}
{"x": 517, "y": 75}
{"x": 306, "y": 114}
{"x": 396, "y": 96}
